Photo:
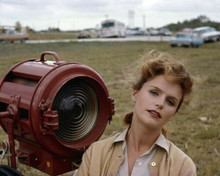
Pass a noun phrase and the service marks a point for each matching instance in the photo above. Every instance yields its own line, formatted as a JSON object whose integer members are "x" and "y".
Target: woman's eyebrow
{"x": 157, "y": 88}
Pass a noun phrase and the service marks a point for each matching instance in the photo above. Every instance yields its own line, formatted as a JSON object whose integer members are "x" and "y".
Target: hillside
{"x": 193, "y": 23}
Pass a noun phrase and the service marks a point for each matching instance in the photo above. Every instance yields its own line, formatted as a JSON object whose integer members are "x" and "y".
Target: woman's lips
{"x": 154, "y": 114}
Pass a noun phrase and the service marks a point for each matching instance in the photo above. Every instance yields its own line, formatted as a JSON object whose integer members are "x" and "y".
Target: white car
{"x": 153, "y": 32}
{"x": 11, "y": 35}
{"x": 89, "y": 33}
{"x": 165, "y": 32}
{"x": 208, "y": 34}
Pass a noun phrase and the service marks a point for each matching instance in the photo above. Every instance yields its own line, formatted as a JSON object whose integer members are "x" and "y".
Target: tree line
{"x": 193, "y": 23}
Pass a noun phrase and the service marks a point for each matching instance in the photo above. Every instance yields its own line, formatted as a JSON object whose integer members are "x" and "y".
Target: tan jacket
{"x": 103, "y": 158}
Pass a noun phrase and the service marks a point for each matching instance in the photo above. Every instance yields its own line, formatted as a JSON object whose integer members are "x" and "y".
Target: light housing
{"x": 55, "y": 110}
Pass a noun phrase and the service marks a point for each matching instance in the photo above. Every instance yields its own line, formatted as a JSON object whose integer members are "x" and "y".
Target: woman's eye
{"x": 154, "y": 92}
{"x": 170, "y": 102}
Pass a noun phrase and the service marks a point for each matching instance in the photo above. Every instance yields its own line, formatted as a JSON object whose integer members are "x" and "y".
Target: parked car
{"x": 89, "y": 33}
{"x": 136, "y": 31}
{"x": 186, "y": 39}
{"x": 187, "y": 30}
{"x": 153, "y": 31}
{"x": 11, "y": 35}
{"x": 208, "y": 34}
{"x": 165, "y": 32}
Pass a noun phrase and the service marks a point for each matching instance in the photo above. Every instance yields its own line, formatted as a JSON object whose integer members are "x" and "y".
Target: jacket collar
{"x": 161, "y": 141}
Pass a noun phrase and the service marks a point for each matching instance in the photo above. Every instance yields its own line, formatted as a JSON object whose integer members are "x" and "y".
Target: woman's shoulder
{"x": 176, "y": 162}
{"x": 173, "y": 149}
{"x": 104, "y": 143}
{"x": 107, "y": 140}
{"x": 176, "y": 153}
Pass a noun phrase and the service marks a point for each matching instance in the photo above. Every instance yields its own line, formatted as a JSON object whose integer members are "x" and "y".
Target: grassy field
{"x": 198, "y": 138}
{"x": 52, "y": 35}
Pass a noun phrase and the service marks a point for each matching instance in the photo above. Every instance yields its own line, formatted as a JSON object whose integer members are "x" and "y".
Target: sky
{"x": 81, "y": 14}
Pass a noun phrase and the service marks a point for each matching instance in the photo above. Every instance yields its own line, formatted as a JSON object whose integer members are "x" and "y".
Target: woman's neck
{"x": 141, "y": 138}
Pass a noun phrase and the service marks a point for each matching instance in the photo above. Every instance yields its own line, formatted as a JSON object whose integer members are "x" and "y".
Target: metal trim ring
{"x": 78, "y": 106}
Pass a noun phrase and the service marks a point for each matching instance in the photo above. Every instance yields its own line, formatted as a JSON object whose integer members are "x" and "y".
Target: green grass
{"x": 200, "y": 140}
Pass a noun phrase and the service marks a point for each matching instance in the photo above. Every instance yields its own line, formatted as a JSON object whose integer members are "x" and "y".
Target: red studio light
{"x": 55, "y": 110}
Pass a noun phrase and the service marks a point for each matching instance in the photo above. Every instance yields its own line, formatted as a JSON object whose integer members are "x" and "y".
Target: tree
{"x": 202, "y": 20}
{"x": 18, "y": 26}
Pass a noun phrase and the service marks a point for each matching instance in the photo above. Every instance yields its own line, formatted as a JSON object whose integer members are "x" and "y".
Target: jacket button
{"x": 153, "y": 164}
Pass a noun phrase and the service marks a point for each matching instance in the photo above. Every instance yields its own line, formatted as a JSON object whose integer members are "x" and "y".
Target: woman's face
{"x": 156, "y": 102}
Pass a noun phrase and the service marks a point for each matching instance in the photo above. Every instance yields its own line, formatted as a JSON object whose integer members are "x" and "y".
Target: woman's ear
{"x": 134, "y": 94}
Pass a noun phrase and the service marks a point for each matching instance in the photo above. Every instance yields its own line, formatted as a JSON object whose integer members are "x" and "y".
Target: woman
{"x": 161, "y": 87}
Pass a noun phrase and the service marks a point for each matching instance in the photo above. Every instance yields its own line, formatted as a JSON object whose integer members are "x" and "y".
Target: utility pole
{"x": 144, "y": 25}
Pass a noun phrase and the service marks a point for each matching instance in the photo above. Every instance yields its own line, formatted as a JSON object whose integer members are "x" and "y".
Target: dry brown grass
{"x": 52, "y": 35}
{"x": 199, "y": 139}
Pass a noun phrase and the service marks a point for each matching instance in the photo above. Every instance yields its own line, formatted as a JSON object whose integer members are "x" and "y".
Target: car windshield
{"x": 207, "y": 30}
{"x": 110, "y": 24}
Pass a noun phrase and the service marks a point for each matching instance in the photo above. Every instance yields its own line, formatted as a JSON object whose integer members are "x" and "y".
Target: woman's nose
{"x": 159, "y": 106}
{"x": 160, "y": 103}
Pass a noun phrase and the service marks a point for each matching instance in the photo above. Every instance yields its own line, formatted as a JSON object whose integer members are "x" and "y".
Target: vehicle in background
{"x": 186, "y": 39}
{"x": 136, "y": 31}
{"x": 113, "y": 28}
{"x": 165, "y": 32}
{"x": 89, "y": 33}
{"x": 153, "y": 31}
{"x": 187, "y": 30}
{"x": 8, "y": 33}
{"x": 209, "y": 34}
